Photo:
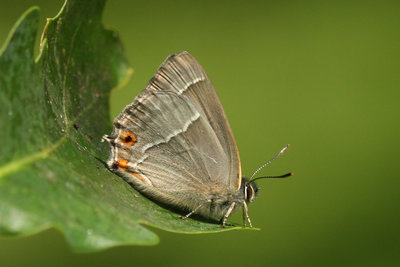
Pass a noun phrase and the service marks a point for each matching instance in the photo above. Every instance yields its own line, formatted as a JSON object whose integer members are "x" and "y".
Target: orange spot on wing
{"x": 128, "y": 139}
{"x": 123, "y": 165}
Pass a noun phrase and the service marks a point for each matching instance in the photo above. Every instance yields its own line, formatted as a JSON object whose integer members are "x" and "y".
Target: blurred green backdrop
{"x": 320, "y": 75}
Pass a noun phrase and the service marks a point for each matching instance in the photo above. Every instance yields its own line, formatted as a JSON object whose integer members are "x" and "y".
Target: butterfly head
{"x": 250, "y": 190}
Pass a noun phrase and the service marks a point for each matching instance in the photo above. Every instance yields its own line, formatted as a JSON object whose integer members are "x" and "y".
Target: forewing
{"x": 182, "y": 74}
{"x": 170, "y": 146}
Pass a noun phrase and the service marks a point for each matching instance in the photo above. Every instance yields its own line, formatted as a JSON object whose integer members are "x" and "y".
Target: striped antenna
{"x": 268, "y": 162}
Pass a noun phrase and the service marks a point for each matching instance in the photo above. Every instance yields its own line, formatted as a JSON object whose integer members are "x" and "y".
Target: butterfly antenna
{"x": 268, "y": 162}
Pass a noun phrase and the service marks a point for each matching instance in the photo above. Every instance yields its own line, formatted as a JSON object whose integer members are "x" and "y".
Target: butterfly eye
{"x": 251, "y": 192}
{"x": 128, "y": 139}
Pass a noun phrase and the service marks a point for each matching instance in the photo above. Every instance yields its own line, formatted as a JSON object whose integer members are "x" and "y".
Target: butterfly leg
{"x": 244, "y": 220}
{"x": 194, "y": 210}
{"x": 228, "y": 212}
{"x": 246, "y": 215}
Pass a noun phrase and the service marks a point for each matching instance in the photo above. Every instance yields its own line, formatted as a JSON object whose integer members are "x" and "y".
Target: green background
{"x": 320, "y": 75}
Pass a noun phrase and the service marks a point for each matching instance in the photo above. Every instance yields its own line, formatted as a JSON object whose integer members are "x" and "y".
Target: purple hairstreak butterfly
{"x": 174, "y": 145}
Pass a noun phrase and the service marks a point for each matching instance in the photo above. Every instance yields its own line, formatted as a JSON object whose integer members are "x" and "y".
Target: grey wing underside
{"x": 184, "y": 141}
{"x": 176, "y": 148}
{"x": 182, "y": 74}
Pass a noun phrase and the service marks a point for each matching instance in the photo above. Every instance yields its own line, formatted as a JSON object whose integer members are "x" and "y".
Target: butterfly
{"x": 174, "y": 144}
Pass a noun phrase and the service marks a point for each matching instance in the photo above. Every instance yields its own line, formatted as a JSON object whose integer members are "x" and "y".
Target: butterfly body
{"x": 174, "y": 144}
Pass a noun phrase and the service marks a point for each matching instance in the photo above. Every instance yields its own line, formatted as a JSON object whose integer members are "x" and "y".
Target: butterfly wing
{"x": 181, "y": 73}
{"x": 174, "y": 140}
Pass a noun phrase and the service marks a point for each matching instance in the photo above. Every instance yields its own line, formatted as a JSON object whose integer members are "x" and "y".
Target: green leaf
{"x": 54, "y": 111}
